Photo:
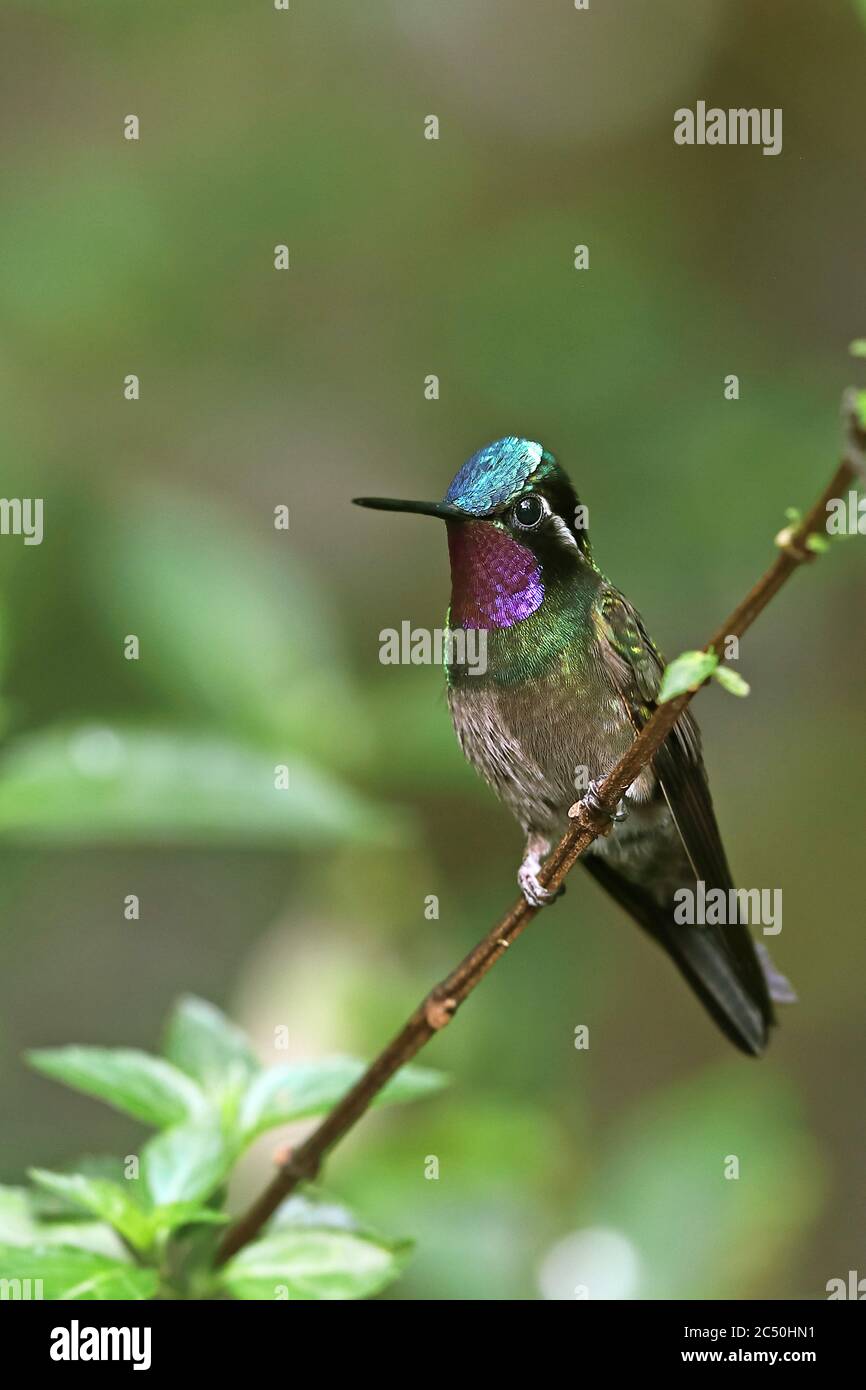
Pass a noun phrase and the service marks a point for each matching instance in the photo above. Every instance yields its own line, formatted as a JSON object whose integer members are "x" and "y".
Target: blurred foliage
{"x": 103, "y": 783}
{"x": 209, "y": 1098}
{"x": 247, "y": 653}
{"x": 259, "y": 648}
{"x": 719, "y": 1227}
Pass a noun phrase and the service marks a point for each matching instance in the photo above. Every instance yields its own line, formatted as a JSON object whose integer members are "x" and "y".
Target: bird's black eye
{"x": 528, "y": 512}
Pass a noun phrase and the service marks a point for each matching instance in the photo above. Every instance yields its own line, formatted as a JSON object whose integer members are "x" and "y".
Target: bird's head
{"x": 514, "y": 526}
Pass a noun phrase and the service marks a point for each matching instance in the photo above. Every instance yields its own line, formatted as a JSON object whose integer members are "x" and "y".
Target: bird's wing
{"x": 635, "y": 666}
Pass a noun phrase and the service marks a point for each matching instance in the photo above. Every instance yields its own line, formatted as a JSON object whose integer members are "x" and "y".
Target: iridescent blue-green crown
{"x": 495, "y": 475}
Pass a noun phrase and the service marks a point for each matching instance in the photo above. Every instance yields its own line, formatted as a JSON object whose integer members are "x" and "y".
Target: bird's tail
{"x": 744, "y": 1013}
{"x": 735, "y": 980}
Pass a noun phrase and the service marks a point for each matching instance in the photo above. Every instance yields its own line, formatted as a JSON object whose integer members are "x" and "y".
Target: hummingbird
{"x": 571, "y": 676}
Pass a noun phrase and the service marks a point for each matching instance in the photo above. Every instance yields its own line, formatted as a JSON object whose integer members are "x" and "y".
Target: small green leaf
{"x": 53, "y": 1205}
{"x": 146, "y": 1087}
{"x": 104, "y": 1199}
{"x": 731, "y": 681}
{"x": 687, "y": 672}
{"x": 858, "y": 347}
{"x": 297, "y": 1090}
{"x": 20, "y": 1225}
{"x": 62, "y": 1272}
{"x": 176, "y": 1214}
{"x": 95, "y": 1236}
{"x": 208, "y": 1046}
{"x": 818, "y": 544}
{"x": 794, "y": 515}
{"x": 186, "y": 1163}
{"x": 314, "y": 1264}
{"x": 412, "y": 1083}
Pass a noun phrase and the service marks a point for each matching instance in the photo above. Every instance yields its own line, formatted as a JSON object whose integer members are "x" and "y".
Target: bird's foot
{"x": 531, "y": 887}
{"x": 592, "y": 798}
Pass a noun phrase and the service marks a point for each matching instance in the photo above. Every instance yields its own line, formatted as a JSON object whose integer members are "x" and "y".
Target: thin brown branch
{"x": 590, "y": 821}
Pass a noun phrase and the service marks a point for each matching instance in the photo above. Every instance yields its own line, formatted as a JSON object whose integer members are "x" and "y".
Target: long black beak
{"x": 444, "y": 510}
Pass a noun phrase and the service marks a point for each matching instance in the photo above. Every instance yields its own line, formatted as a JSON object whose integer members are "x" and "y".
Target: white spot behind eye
{"x": 562, "y": 531}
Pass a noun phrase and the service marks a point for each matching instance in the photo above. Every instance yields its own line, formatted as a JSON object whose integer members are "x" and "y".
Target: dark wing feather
{"x": 636, "y": 666}
{"x": 697, "y": 953}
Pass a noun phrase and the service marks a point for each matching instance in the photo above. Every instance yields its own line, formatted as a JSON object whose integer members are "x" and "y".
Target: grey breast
{"x": 536, "y": 744}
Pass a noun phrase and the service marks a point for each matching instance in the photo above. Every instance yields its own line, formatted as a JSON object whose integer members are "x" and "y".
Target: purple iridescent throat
{"x": 495, "y": 581}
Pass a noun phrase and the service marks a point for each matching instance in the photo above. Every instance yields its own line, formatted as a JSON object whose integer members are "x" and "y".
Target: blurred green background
{"x": 409, "y": 257}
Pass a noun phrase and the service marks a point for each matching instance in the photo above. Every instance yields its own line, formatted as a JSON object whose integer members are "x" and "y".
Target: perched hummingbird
{"x": 571, "y": 676}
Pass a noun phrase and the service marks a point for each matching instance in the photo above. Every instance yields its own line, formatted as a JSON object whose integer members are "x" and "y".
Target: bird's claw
{"x": 592, "y": 797}
{"x": 533, "y": 890}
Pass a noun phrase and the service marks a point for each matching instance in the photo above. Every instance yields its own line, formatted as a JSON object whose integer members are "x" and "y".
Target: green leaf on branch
{"x": 118, "y": 1208}
{"x": 208, "y": 1096}
{"x": 731, "y": 681}
{"x": 50, "y": 1205}
{"x": 819, "y": 545}
{"x": 686, "y": 672}
{"x": 186, "y": 1163}
{"x": 202, "y": 1042}
{"x": 314, "y": 1264}
{"x": 858, "y": 347}
{"x": 315, "y": 1247}
{"x": 107, "y": 1200}
{"x": 20, "y": 1225}
{"x": 172, "y": 1215}
{"x": 63, "y": 1272}
{"x": 146, "y": 1087}
{"x": 298, "y": 1090}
